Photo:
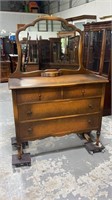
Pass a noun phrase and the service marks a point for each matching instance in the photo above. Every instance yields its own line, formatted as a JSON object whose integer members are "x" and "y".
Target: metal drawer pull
{"x": 39, "y": 97}
{"x": 29, "y": 112}
{"x": 83, "y": 92}
{"x": 91, "y": 106}
{"x": 89, "y": 121}
{"x": 30, "y": 130}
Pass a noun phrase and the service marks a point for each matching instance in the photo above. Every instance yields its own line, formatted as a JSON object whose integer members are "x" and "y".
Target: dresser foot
{"x": 92, "y": 148}
{"x": 24, "y": 161}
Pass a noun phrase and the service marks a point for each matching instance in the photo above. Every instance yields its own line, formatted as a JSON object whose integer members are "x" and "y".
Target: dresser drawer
{"x": 58, "y": 126}
{"x": 58, "y": 108}
{"x": 5, "y": 73}
{"x": 27, "y": 95}
{"x": 55, "y": 93}
{"x": 38, "y": 94}
{"x": 82, "y": 91}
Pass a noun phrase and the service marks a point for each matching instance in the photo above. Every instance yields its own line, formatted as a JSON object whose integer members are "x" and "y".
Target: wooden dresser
{"x": 47, "y": 106}
{"x": 70, "y": 102}
{"x": 4, "y": 70}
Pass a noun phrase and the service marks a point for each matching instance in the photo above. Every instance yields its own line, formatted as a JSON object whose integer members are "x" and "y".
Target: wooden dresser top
{"x": 64, "y": 80}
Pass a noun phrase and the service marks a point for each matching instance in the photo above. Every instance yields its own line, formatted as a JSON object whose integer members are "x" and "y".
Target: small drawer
{"x": 58, "y": 108}
{"x": 53, "y": 93}
{"x": 82, "y": 91}
{"x": 5, "y": 73}
{"x": 38, "y": 94}
{"x": 27, "y": 95}
{"x": 59, "y": 126}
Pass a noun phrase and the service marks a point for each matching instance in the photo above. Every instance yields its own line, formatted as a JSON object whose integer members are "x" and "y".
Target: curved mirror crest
{"x": 49, "y": 44}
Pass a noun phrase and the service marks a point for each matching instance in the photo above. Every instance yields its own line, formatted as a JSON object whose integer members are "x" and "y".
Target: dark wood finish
{"x": 4, "y": 71}
{"x": 7, "y": 47}
{"x": 55, "y": 50}
{"x": 51, "y": 56}
{"x": 30, "y": 57}
{"x": 81, "y": 17}
{"x": 13, "y": 62}
{"x": 106, "y": 17}
{"x": 44, "y": 52}
{"x": 97, "y": 54}
{"x": 31, "y": 67}
{"x": 54, "y": 106}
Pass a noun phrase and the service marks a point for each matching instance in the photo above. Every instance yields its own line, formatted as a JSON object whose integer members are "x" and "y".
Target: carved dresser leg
{"x": 97, "y": 138}
{"x": 20, "y": 150}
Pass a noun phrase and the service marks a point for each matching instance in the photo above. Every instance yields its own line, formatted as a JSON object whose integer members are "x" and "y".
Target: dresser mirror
{"x": 49, "y": 43}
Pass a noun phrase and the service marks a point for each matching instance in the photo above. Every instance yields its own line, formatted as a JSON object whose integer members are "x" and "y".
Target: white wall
{"x": 98, "y": 7}
{"x": 103, "y": 8}
{"x": 9, "y": 20}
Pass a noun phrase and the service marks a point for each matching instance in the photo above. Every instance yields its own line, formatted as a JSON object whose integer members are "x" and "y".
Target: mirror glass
{"x": 49, "y": 44}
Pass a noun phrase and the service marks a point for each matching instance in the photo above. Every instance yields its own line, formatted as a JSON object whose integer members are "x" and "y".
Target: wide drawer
{"x": 41, "y": 110}
{"x": 58, "y": 126}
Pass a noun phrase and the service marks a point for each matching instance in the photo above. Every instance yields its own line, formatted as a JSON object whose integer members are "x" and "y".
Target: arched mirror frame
{"x": 18, "y": 73}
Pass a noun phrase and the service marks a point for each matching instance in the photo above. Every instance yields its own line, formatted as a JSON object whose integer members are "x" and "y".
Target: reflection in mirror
{"x": 49, "y": 44}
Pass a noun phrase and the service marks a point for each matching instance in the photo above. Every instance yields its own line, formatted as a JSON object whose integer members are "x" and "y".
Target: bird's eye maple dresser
{"x": 55, "y": 102}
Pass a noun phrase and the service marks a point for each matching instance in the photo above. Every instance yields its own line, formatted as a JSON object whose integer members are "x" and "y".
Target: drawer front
{"x": 5, "y": 74}
{"x": 59, "y": 126}
{"x": 58, "y": 108}
{"x": 82, "y": 91}
{"x": 30, "y": 68}
{"x": 5, "y": 68}
{"x": 27, "y": 95}
{"x": 55, "y": 93}
{"x": 50, "y": 93}
{"x": 5, "y": 65}
{"x": 5, "y": 71}
{"x": 38, "y": 94}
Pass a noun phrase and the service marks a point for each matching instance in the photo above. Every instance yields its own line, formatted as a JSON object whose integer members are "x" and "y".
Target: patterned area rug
{"x": 61, "y": 168}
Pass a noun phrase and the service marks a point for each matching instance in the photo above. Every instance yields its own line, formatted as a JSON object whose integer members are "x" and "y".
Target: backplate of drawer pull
{"x": 91, "y": 106}
{"x": 30, "y": 130}
{"x": 83, "y": 92}
{"x": 29, "y": 112}
{"x": 89, "y": 121}
{"x": 39, "y": 97}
